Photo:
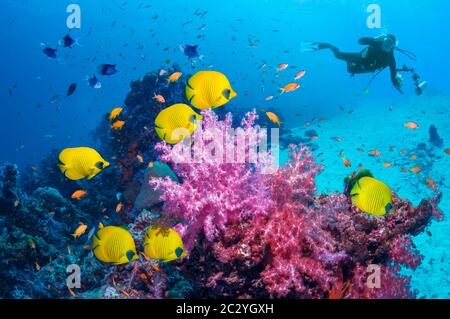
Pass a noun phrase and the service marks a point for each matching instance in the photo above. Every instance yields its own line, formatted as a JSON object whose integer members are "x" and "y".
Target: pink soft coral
{"x": 260, "y": 235}
{"x": 215, "y": 190}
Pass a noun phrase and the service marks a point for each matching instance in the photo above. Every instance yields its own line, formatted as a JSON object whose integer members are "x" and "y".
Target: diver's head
{"x": 389, "y": 43}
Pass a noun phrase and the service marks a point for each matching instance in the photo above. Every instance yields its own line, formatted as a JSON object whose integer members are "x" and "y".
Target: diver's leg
{"x": 348, "y": 57}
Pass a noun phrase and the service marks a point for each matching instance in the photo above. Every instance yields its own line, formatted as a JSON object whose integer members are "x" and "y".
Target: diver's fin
{"x": 309, "y": 46}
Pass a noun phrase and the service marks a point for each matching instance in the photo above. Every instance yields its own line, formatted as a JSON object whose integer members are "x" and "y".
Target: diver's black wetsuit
{"x": 371, "y": 59}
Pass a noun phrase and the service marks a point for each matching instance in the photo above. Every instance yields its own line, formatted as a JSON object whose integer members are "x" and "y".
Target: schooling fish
{"x": 50, "y": 52}
{"x": 273, "y": 118}
{"x": 94, "y": 82}
{"x": 115, "y": 113}
{"x": 174, "y": 77}
{"x": 67, "y": 41}
{"x": 282, "y": 66}
{"x": 191, "y": 51}
{"x": 163, "y": 244}
{"x": 71, "y": 89}
{"x": 112, "y": 244}
{"x": 209, "y": 89}
{"x": 79, "y": 194}
{"x": 107, "y": 69}
{"x": 117, "y": 125}
{"x": 411, "y": 125}
{"x": 346, "y": 162}
{"x": 299, "y": 75}
{"x": 80, "y": 230}
{"x": 81, "y": 162}
{"x": 159, "y": 98}
{"x": 431, "y": 183}
{"x": 416, "y": 169}
{"x": 290, "y": 87}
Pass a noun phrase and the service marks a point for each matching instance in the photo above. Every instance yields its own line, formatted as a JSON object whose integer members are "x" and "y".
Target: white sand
{"x": 376, "y": 127}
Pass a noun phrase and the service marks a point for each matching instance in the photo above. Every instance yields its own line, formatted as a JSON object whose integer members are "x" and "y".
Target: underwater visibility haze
{"x": 200, "y": 149}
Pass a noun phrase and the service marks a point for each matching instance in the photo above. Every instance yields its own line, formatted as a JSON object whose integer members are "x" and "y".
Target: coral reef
{"x": 250, "y": 232}
{"x": 299, "y": 244}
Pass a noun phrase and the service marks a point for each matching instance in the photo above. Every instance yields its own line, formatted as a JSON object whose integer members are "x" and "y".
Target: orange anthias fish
{"x": 447, "y": 151}
{"x": 290, "y": 87}
{"x": 339, "y": 291}
{"x": 79, "y": 194}
{"x": 140, "y": 158}
{"x": 124, "y": 293}
{"x": 118, "y": 125}
{"x": 159, "y": 98}
{"x": 72, "y": 293}
{"x": 155, "y": 267}
{"x": 346, "y": 162}
{"x": 416, "y": 169}
{"x": 119, "y": 207}
{"x": 80, "y": 230}
{"x": 299, "y": 75}
{"x": 403, "y": 151}
{"x": 404, "y": 170}
{"x": 313, "y": 137}
{"x": 413, "y": 156}
{"x": 387, "y": 164}
{"x": 273, "y": 117}
{"x": 115, "y": 113}
{"x": 411, "y": 125}
{"x": 431, "y": 184}
{"x": 282, "y": 66}
{"x": 374, "y": 153}
{"x": 174, "y": 77}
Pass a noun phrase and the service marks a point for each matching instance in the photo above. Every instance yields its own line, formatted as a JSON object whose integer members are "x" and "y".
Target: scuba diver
{"x": 378, "y": 55}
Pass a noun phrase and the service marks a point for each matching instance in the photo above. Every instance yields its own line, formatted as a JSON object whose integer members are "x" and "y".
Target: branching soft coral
{"x": 216, "y": 188}
{"x": 261, "y": 235}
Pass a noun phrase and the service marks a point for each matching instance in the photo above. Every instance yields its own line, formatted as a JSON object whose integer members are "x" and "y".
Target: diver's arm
{"x": 393, "y": 69}
{"x": 366, "y": 41}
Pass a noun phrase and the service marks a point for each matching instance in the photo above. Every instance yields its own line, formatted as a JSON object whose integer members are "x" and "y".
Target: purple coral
{"x": 213, "y": 194}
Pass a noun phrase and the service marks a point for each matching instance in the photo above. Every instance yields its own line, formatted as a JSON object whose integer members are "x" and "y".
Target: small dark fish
{"x": 71, "y": 89}
{"x": 67, "y": 41}
{"x": 107, "y": 69}
{"x": 94, "y": 82}
{"x": 189, "y": 50}
{"x": 50, "y": 52}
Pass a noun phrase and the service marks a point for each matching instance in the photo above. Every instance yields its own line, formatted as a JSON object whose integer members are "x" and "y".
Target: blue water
{"x": 112, "y": 32}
